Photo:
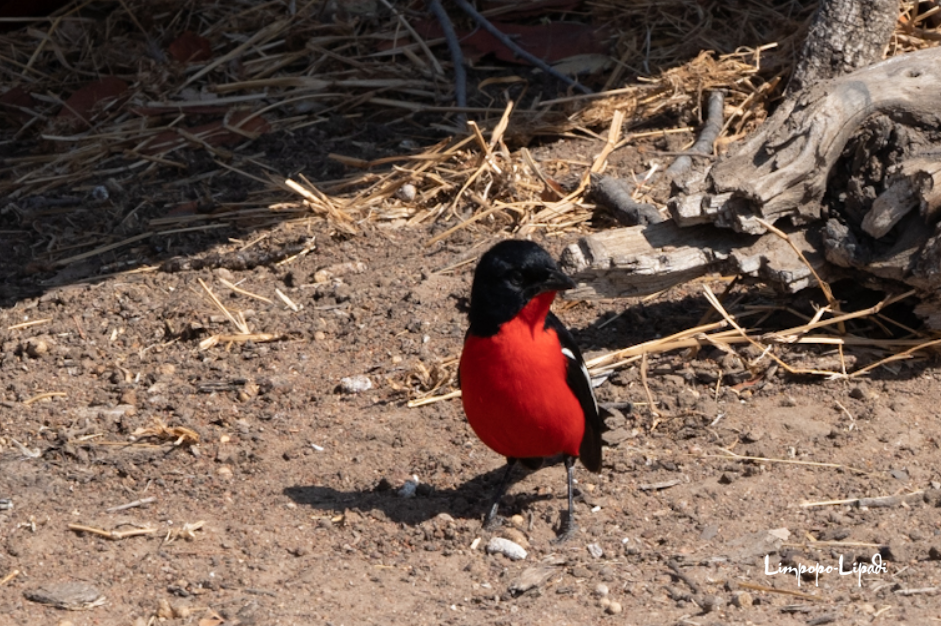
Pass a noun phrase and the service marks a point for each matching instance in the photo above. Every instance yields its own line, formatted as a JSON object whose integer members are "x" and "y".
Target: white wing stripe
{"x": 571, "y": 356}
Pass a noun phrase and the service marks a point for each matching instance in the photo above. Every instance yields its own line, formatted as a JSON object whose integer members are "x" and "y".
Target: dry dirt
{"x": 290, "y": 510}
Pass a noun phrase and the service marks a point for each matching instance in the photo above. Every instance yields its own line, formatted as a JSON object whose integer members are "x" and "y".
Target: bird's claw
{"x": 493, "y": 522}
{"x": 567, "y": 529}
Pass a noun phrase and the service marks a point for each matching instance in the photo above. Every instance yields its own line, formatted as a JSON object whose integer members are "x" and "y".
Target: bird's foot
{"x": 493, "y": 521}
{"x": 567, "y": 529}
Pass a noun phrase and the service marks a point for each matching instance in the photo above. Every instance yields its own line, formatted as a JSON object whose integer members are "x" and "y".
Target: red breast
{"x": 514, "y": 388}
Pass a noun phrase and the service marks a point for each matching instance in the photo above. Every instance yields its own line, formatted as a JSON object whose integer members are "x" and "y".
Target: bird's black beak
{"x": 557, "y": 281}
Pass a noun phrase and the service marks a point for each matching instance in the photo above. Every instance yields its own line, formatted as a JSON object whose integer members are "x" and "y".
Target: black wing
{"x": 580, "y": 383}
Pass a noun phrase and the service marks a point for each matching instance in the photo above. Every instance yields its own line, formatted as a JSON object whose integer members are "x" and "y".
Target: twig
{"x": 675, "y": 568}
{"x": 22, "y": 325}
{"x": 421, "y": 42}
{"x": 432, "y": 400}
{"x": 917, "y": 592}
{"x": 457, "y": 57}
{"x": 131, "y": 505}
{"x": 9, "y": 577}
{"x": 209, "y": 342}
{"x": 520, "y": 52}
{"x": 114, "y": 535}
{"x": 43, "y": 396}
{"x": 658, "y": 486}
{"x": 707, "y": 138}
{"x": 740, "y": 457}
{"x": 244, "y": 292}
{"x": 238, "y": 323}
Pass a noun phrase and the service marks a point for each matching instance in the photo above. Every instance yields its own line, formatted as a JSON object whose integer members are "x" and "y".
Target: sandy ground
{"x": 290, "y": 507}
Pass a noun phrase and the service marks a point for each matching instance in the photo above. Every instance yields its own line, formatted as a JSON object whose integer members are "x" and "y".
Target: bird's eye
{"x": 515, "y": 277}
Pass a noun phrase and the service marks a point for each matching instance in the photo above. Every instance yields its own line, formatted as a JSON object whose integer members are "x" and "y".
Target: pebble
{"x": 164, "y": 609}
{"x": 516, "y": 536}
{"x": 409, "y": 488}
{"x": 595, "y": 550}
{"x": 710, "y": 603}
{"x": 406, "y": 192}
{"x": 355, "y": 384}
{"x": 320, "y": 335}
{"x": 859, "y": 393}
{"x": 742, "y": 600}
{"x": 518, "y": 521}
{"x": 755, "y": 433}
{"x": 614, "y": 608}
{"x": 73, "y": 596}
{"x": 601, "y": 590}
{"x": 509, "y": 549}
{"x": 36, "y": 347}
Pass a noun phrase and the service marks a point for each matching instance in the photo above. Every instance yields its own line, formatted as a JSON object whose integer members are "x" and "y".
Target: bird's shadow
{"x": 468, "y": 500}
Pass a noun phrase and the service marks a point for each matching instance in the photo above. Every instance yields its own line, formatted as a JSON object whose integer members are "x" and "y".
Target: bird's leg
{"x": 491, "y": 519}
{"x": 567, "y": 527}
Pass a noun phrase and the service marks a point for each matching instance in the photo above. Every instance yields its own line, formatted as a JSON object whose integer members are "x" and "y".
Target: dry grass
{"x": 281, "y": 67}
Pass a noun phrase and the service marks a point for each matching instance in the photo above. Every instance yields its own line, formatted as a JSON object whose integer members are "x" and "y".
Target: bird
{"x": 524, "y": 385}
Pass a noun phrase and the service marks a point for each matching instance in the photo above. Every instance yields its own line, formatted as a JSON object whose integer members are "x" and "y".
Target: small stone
{"x": 614, "y": 608}
{"x": 742, "y": 600}
{"x": 595, "y": 550}
{"x": 710, "y": 603}
{"x": 600, "y": 590}
{"x": 182, "y": 611}
{"x": 139, "y": 621}
{"x": 518, "y": 521}
{"x": 894, "y": 551}
{"x": 755, "y": 433}
{"x": 36, "y": 347}
{"x": 409, "y": 488}
{"x": 616, "y": 436}
{"x": 72, "y": 596}
{"x": 604, "y": 602}
{"x": 320, "y": 335}
{"x": 858, "y": 393}
{"x": 709, "y": 532}
{"x": 129, "y": 397}
{"x": 355, "y": 384}
{"x": 515, "y": 535}
{"x": 406, "y": 192}
{"x": 726, "y": 478}
{"x": 788, "y": 401}
{"x": 509, "y": 549}
{"x": 932, "y": 497}
{"x": 166, "y": 369}
{"x": 934, "y": 553}
{"x": 164, "y": 609}
{"x": 687, "y": 398}
{"x": 224, "y": 472}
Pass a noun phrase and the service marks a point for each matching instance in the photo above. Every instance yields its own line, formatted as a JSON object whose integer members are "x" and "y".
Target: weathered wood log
{"x": 782, "y": 170}
{"x": 857, "y": 150}
{"x": 642, "y": 260}
{"x": 914, "y": 183}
